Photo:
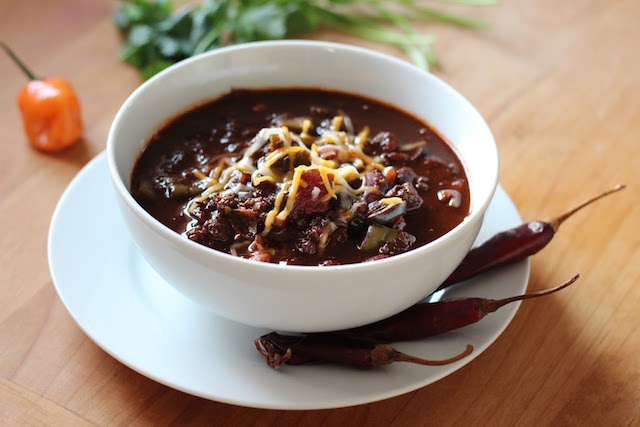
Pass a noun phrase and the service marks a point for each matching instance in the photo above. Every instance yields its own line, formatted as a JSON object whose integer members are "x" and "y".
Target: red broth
{"x": 302, "y": 176}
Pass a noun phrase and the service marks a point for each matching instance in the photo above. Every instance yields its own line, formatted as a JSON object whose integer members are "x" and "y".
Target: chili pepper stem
{"x": 270, "y": 355}
{"x": 491, "y": 305}
{"x": 18, "y": 62}
{"x": 385, "y": 354}
{"x": 555, "y": 223}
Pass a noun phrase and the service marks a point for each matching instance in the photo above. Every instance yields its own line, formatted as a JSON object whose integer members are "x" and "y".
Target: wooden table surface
{"x": 559, "y": 84}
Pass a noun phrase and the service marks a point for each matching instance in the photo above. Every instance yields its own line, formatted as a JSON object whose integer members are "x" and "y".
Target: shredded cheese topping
{"x": 337, "y": 155}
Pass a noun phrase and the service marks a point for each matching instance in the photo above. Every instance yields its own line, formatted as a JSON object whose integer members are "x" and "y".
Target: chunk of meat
{"x": 405, "y": 174}
{"x": 245, "y": 224}
{"x": 401, "y": 243}
{"x": 321, "y": 233}
{"x": 385, "y": 142}
{"x": 312, "y": 196}
{"x": 408, "y": 193}
{"x": 376, "y": 184}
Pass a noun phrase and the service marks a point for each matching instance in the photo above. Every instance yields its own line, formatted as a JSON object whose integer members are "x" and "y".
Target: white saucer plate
{"x": 135, "y": 316}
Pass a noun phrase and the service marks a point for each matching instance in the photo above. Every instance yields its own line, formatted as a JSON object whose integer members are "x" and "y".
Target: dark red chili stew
{"x": 302, "y": 176}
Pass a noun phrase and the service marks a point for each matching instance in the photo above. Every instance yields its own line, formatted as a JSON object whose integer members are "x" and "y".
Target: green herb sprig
{"x": 156, "y": 34}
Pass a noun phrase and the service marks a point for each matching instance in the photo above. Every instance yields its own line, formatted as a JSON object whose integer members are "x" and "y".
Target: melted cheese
{"x": 390, "y": 200}
{"x": 351, "y": 163}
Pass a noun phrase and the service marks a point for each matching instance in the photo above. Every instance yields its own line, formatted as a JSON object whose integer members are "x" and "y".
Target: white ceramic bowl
{"x": 301, "y": 298}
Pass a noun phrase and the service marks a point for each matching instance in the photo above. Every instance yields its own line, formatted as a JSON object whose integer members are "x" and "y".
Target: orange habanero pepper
{"x": 50, "y": 110}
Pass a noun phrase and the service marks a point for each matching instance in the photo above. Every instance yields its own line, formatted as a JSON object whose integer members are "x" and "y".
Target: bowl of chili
{"x": 301, "y": 186}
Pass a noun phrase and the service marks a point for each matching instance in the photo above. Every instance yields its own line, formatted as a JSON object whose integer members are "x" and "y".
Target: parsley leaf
{"x": 156, "y": 34}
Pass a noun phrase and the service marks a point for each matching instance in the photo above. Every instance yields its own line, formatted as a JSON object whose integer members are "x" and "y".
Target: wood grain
{"x": 558, "y": 83}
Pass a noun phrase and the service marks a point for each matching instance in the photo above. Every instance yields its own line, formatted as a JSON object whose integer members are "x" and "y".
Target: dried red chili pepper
{"x": 514, "y": 245}
{"x": 367, "y": 346}
{"x": 278, "y": 349}
{"x": 425, "y": 320}
{"x": 50, "y": 110}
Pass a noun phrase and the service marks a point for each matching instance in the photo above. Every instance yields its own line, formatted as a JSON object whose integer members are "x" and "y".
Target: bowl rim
{"x": 478, "y": 207}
